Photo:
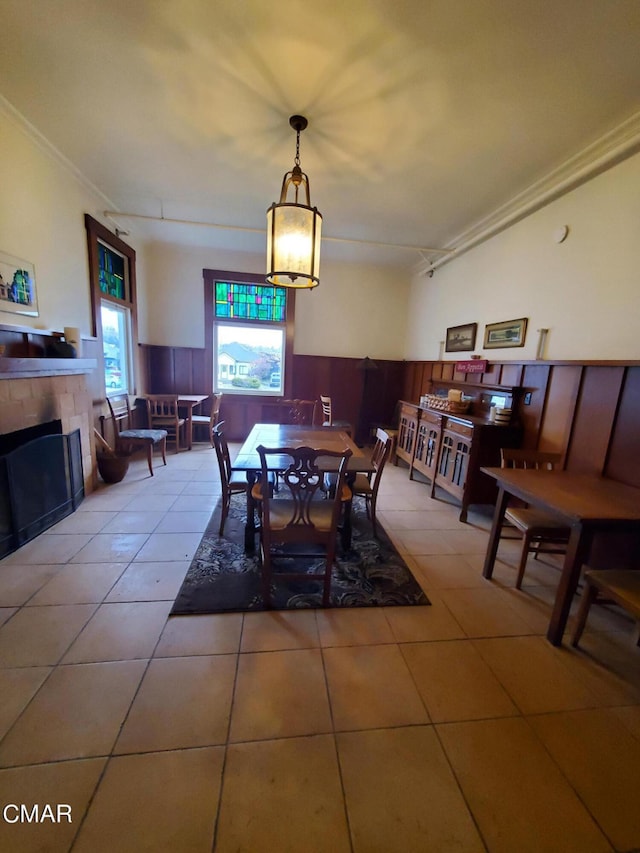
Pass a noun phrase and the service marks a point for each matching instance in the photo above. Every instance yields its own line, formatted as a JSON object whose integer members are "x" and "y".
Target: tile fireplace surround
{"x": 34, "y": 391}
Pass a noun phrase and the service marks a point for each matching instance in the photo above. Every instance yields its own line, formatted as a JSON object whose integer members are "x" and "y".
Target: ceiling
{"x": 427, "y": 118}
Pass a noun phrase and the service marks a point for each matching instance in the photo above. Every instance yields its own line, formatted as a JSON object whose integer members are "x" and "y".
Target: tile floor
{"x": 442, "y": 728}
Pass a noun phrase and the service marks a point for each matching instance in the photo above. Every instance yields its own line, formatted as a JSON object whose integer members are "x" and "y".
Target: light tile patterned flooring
{"x": 442, "y": 728}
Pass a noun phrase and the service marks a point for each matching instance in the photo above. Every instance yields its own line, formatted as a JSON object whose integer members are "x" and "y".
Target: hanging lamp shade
{"x": 294, "y": 229}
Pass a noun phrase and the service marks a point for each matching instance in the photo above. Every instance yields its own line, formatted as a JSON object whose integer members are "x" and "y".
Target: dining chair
{"x": 541, "y": 532}
{"x": 211, "y": 419}
{"x": 301, "y": 412}
{"x": 127, "y": 438}
{"x": 367, "y": 485}
{"x": 327, "y": 416}
{"x": 162, "y": 413}
{"x": 298, "y": 516}
{"x": 233, "y": 482}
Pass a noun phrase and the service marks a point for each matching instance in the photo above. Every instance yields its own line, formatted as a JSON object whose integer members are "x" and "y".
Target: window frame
{"x": 210, "y": 277}
{"x": 98, "y": 233}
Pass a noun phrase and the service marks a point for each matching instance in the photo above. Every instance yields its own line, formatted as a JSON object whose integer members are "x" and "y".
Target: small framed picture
{"x": 461, "y": 338}
{"x": 511, "y": 333}
{"x": 17, "y": 286}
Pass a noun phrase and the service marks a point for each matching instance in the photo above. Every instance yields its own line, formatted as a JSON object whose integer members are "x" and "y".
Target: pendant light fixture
{"x": 294, "y": 229}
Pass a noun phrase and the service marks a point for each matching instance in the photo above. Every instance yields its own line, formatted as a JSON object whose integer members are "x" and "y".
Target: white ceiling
{"x": 425, "y": 116}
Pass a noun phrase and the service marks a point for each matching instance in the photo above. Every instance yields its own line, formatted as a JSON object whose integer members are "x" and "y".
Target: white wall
{"x": 357, "y": 310}
{"x": 42, "y": 207}
{"x": 586, "y": 290}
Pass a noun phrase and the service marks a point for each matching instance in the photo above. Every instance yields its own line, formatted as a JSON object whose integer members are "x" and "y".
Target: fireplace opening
{"x": 41, "y": 481}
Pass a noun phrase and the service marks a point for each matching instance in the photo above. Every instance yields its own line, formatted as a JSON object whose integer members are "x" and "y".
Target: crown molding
{"x": 23, "y": 124}
{"x": 611, "y": 148}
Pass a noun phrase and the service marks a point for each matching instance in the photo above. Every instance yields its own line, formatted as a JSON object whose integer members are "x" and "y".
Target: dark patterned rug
{"x": 222, "y": 578}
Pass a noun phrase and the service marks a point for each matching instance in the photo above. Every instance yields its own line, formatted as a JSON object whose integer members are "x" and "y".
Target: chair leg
{"x": 345, "y": 532}
{"x": 589, "y": 595}
{"x": 226, "y": 500}
{"x": 526, "y": 544}
{"x": 163, "y": 448}
{"x": 326, "y": 592}
{"x": 150, "y": 457}
{"x": 265, "y": 568}
{"x": 373, "y": 517}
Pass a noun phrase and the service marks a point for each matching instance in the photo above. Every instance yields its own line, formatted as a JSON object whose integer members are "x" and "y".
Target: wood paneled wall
{"x": 361, "y": 397}
{"x": 590, "y": 412}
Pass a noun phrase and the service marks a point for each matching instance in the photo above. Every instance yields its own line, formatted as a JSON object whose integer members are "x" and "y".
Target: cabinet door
{"x": 453, "y": 463}
{"x": 407, "y": 433}
{"x": 427, "y": 445}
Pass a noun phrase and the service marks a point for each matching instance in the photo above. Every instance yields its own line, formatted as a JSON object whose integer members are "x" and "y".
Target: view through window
{"x": 112, "y": 274}
{"x": 249, "y": 338}
{"x": 115, "y": 345}
{"x": 115, "y": 320}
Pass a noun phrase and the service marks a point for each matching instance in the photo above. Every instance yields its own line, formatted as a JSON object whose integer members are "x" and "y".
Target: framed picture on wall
{"x": 461, "y": 338}
{"x": 17, "y": 286}
{"x": 511, "y": 333}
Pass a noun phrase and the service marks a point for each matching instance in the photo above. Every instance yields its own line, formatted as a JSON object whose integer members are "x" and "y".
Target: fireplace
{"x": 41, "y": 481}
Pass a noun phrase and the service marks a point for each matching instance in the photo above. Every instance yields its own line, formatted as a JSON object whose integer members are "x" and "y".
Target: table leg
{"x": 577, "y": 553}
{"x": 494, "y": 536}
{"x": 189, "y": 429}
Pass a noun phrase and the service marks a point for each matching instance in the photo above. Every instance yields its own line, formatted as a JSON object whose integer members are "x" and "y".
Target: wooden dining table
{"x": 189, "y": 402}
{"x": 586, "y": 503}
{"x": 295, "y": 435}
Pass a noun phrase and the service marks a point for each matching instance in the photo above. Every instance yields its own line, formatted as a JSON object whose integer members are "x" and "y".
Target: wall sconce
{"x": 294, "y": 229}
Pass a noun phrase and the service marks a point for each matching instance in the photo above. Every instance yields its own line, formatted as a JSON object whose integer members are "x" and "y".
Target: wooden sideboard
{"x": 449, "y": 451}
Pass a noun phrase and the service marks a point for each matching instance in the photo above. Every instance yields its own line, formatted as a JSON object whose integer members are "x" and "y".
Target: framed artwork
{"x": 511, "y": 333}
{"x": 17, "y": 286}
{"x": 461, "y": 338}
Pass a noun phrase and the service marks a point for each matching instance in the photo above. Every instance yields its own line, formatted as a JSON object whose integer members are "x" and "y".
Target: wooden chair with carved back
{"x": 299, "y": 517}
{"x": 301, "y": 412}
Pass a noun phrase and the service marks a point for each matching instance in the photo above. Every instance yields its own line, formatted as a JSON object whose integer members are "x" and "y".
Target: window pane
{"x": 116, "y": 348}
{"x": 111, "y": 272}
{"x": 249, "y": 359}
{"x": 250, "y": 302}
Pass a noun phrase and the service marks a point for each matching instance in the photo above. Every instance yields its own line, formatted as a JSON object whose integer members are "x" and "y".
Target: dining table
{"x": 588, "y": 505}
{"x": 296, "y": 435}
{"x": 189, "y": 402}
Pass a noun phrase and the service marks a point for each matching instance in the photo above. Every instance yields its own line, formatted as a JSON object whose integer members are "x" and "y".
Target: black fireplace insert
{"x": 41, "y": 482}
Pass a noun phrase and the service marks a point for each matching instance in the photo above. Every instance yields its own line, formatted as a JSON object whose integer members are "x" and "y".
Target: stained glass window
{"x": 111, "y": 272}
{"x": 235, "y": 301}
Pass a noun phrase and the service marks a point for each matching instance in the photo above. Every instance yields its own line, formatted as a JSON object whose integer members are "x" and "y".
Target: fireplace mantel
{"x": 30, "y": 368}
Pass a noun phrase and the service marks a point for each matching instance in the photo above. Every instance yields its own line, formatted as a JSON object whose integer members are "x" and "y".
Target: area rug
{"x": 222, "y": 578}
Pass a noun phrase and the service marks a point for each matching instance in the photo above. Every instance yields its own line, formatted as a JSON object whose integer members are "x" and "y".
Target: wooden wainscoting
{"x": 588, "y": 411}
{"x": 362, "y": 398}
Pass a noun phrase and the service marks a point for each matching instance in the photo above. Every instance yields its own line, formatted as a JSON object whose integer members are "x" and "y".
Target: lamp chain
{"x": 297, "y": 158}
